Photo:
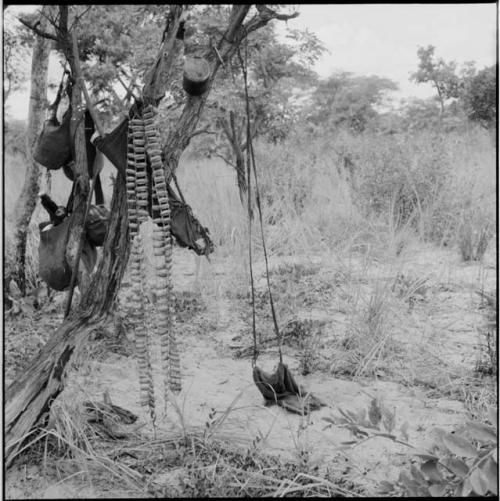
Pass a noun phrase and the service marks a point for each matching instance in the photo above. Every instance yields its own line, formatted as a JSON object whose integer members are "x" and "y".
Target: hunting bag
{"x": 53, "y": 266}
{"x": 53, "y": 148}
{"x": 97, "y": 224}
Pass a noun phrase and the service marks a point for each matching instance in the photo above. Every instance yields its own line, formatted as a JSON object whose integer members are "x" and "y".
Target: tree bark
{"x": 26, "y": 202}
{"x": 29, "y": 398}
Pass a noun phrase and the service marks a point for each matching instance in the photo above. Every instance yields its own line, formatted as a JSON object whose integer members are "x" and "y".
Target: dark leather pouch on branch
{"x": 53, "y": 148}
{"x": 97, "y": 224}
{"x": 114, "y": 146}
{"x": 53, "y": 266}
{"x": 187, "y": 229}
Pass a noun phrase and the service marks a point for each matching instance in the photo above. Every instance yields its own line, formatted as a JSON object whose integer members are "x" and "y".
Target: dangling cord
{"x": 254, "y": 331}
{"x": 250, "y": 155}
{"x": 249, "y": 207}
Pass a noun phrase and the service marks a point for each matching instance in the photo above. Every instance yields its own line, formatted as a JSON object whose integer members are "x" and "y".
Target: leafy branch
{"x": 456, "y": 466}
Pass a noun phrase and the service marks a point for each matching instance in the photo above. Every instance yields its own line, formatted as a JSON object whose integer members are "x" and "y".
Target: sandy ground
{"x": 443, "y": 325}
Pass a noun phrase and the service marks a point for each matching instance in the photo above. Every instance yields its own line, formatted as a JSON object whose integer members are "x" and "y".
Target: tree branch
{"x": 154, "y": 87}
{"x": 265, "y": 14}
{"x": 205, "y": 130}
{"x": 269, "y": 14}
{"x": 36, "y": 30}
{"x": 228, "y": 162}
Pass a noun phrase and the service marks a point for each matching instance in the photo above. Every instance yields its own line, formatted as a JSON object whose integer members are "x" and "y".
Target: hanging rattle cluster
{"x": 143, "y": 138}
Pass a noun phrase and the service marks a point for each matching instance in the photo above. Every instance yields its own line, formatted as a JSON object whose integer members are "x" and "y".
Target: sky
{"x": 377, "y": 39}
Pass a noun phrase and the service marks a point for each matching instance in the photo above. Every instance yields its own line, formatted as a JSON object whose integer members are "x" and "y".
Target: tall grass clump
{"x": 425, "y": 180}
{"x": 400, "y": 176}
{"x": 307, "y": 202}
{"x": 474, "y": 233}
{"x": 368, "y": 346}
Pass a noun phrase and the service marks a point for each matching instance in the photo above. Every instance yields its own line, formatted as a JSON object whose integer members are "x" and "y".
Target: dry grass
{"x": 185, "y": 462}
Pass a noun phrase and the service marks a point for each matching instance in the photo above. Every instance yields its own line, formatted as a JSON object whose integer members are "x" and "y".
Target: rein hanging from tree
{"x": 279, "y": 387}
{"x": 250, "y": 167}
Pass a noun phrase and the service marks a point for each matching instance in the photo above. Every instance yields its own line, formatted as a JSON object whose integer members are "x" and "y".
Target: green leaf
{"x": 457, "y": 466}
{"x": 345, "y": 415}
{"x": 459, "y": 446}
{"x": 440, "y": 433}
{"x": 489, "y": 472}
{"x": 330, "y": 420}
{"x": 374, "y": 413}
{"x": 385, "y": 486}
{"x": 361, "y": 414}
{"x": 356, "y": 431}
{"x": 352, "y": 415}
{"x": 408, "y": 482}
{"x": 417, "y": 475}
{"x": 361, "y": 417}
{"x": 425, "y": 456}
{"x": 481, "y": 432}
{"x": 388, "y": 419}
{"x": 479, "y": 484}
{"x": 437, "y": 490}
{"x": 430, "y": 470}
{"x": 466, "y": 487}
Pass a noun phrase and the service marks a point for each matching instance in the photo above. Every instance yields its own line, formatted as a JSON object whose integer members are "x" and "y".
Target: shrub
{"x": 463, "y": 463}
{"x": 474, "y": 233}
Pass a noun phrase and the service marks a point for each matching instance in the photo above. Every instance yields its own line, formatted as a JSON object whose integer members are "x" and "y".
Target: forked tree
{"x": 28, "y": 399}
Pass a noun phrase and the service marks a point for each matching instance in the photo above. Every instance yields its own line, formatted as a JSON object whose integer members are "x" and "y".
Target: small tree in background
{"x": 348, "y": 101}
{"x": 17, "y": 43}
{"x": 440, "y": 74}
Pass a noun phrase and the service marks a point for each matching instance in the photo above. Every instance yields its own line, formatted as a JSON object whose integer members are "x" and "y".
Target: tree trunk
{"x": 29, "y": 398}
{"x": 26, "y": 202}
{"x": 233, "y": 136}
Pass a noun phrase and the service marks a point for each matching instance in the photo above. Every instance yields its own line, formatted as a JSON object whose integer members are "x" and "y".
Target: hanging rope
{"x": 251, "y": 166}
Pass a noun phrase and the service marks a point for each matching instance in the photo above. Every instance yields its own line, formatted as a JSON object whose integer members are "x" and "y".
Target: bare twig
{"x": 52, "y": 21}
{"x": 129, "y": 88}
{"x": 225, "y": 159}
{"x": 77, "y": 18}
{"x": 205, "y": 130}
